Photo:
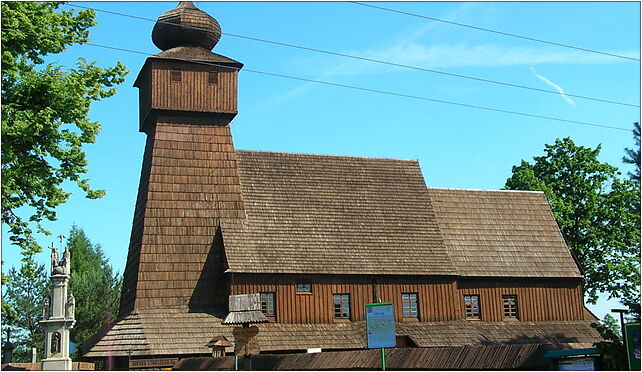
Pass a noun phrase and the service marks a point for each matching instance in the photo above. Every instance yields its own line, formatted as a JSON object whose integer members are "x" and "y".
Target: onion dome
{"x": 186, "y": 26}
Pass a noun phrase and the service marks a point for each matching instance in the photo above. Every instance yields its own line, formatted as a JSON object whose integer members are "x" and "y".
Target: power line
{"x": 364, "y": 89}
{"x": 372, "y": 60}
{"x": 434, "y": 71}
{"x": 495, "y": 31}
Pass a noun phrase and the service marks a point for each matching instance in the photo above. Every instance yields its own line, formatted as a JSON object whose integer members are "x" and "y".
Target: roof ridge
{"x": 463, "y": 189}
{"x": 329, "y": 155}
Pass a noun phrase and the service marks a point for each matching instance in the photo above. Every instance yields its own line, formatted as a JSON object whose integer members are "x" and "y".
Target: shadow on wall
{"x": 211, "y": 292}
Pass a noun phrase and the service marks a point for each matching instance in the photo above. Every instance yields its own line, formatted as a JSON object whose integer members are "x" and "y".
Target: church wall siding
{"x": 318, "y": 306}
{"x": 538, "y": 300}
{"x": 438, "y": 299}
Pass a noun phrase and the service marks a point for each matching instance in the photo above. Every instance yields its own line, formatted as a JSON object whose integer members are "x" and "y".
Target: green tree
{"x": 632, "y": 156}
{"x": 609, "y": 322}
{"x": 611, "y": 345}
{"x": 45, "y": 113}
{"x": 23, "y": 294}
{"x": 95, "y": 286}
{"x": 592, "y": 206}
{"x": 9, "y": 314}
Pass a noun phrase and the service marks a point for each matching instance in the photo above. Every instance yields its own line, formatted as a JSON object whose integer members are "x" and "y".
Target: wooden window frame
{"x": 303, "y": 291}
{"x": 510, "y": 310}
{"x": 340, "y": 306}
{"x": 176, "y": 75}
{"x": 410, "y": 305}
{"x": 265, "y": 305}
{"x": 470, "y": 315}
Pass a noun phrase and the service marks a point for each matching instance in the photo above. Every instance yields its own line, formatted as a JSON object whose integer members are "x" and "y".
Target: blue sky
{"x": 457, "y": 147}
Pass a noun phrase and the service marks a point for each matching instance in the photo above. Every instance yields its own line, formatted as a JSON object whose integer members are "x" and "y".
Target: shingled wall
{"x": 188, "y": 184}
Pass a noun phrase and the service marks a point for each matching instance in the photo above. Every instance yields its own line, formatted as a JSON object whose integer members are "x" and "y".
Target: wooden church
{"x": 317, "y": 236}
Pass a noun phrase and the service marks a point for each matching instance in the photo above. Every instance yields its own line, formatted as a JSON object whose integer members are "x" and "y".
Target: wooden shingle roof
{"x": 499, "y": 357}
{"x": 334, "y": 215}
{"x": 349, "y": 215}
{"x": 179, "y": 332}
{"x": 183, "y": 53}
{"x": 502, "y": 234}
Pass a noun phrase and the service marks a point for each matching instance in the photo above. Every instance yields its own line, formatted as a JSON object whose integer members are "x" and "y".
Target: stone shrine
{"x": 58, "y": 315}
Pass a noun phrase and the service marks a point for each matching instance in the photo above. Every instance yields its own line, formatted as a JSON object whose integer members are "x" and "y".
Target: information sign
{"x": 380, "y": 325}
{"x": 576, "y": 364}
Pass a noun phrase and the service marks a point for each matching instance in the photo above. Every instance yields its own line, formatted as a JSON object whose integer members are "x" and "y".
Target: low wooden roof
{"x": 502, "y": 233}
{"x": 179, "y": 332}
{"x": 334, "y": 215}
{"x": 442, "y": 358}
{"x": 198, "y": 55}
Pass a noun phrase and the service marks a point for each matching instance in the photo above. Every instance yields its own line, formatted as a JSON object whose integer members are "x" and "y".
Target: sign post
{"x": 380, "y": 328}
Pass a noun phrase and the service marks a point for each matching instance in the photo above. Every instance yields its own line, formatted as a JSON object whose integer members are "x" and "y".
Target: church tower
{"x": 189, "y": 181}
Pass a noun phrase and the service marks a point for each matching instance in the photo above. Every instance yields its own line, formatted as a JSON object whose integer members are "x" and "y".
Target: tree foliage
{"x": 94, "y": 285}
{"x": 609, "y": 322}
{"x": 45, "y": 111}
{"x": 23, "y": 294}
{"x": 9, "y": 314}
{"x": 611, "y": 346}
{"x": 632, "y": 156}
{"x": 593, "y": 208}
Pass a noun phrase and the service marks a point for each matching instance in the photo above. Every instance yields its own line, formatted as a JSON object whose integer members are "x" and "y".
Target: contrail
{"x": 559, "y": 89}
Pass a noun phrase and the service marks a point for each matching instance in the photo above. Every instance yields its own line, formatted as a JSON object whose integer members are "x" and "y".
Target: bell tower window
{"x": 175, "y": 75}
{"x": 212, "y": 77}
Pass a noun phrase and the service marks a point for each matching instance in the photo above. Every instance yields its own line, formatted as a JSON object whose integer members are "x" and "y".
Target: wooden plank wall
{"x": 317, "y": 307}
{"x": 537, "y": 300}
{"x": 439, "y": 300}
{"x": 436, "y": 297}
{"x": 193, "y": 92}
{"x": 144, "y": 94}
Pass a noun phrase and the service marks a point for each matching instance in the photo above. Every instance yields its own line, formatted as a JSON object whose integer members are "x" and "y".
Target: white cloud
{"x": 352, "y": 66}
{"x": 559, "y": 89}
{"x": 463, "y": 55}
{"x": 409, "y": 48}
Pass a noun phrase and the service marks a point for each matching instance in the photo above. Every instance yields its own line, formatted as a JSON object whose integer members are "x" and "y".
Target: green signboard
{"x": 633, "y": 345}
